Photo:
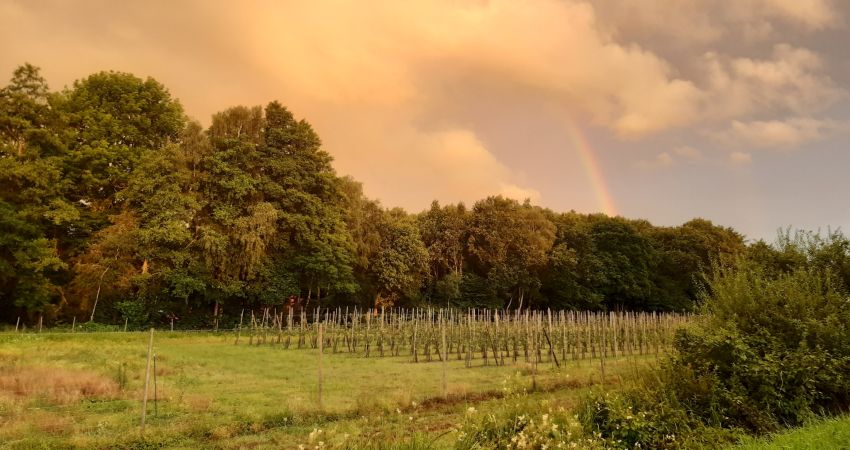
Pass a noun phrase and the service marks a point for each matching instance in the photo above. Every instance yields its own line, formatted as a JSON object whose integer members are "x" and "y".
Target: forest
{"x": 114, "y": 205}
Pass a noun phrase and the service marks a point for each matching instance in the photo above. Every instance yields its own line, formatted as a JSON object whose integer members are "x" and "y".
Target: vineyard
{"x": 484, "y": 337}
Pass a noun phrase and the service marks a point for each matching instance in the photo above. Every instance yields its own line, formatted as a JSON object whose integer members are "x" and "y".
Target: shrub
{"x": 769, "y": 352}
{"x": 648, "y": 416}
{"x": 134, "y": 312}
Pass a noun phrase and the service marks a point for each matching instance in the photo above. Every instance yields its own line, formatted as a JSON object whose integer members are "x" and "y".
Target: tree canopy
{"x": 113, "y": 202}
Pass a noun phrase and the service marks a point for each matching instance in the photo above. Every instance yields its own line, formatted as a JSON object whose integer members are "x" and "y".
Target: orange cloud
{"x": 382, "y": 81}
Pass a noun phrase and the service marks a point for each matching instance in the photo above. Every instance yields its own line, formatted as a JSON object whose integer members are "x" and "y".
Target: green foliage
{"x": 508, "y": 243}
{"x": 113, "y": 117}
{"x": 134, "y": 312}
{"x": 110, "y": 195}
{"x": 26, "y": 261}
{"x": 649, "y": 414}
{"x": 771, "y": 352}
{"x": 399, "y": 265}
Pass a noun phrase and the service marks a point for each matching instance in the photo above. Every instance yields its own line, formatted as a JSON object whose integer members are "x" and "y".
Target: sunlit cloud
{"x": 784, "y": 134}
{"x": 662, "y": 159}
{"x": 406, "y": 95}
{"x": 740, "y": 158}
{"x": 688, "y": 152}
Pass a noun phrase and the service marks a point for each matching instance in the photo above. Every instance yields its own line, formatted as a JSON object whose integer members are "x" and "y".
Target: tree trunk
{"x": 97, "y": 296}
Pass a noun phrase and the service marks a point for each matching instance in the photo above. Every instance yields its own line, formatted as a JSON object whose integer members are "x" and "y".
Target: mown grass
{"x": 84, "y": 390}
{"x": 833, "y": 434}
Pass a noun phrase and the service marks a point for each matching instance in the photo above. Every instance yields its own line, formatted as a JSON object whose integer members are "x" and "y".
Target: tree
{"x": 509, "y": 243}
{"x": 685, "y": 253}
{"x": 31, "y": 194}
{"x": 400, "y": 263}
{"x": 626, "y": 259}
{"x": 444, "y": 232}
{"x": 113, "y": 118}
{"x": 302, "y": 183}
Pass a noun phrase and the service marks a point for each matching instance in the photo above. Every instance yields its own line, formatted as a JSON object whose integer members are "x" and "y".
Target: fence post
{"x": 445, "y": 362}
{"x": 239, "y": 332}
{"x": 147, "y": 382}
{"x": 155, "y": 396}
{"x": 321, "y": 375}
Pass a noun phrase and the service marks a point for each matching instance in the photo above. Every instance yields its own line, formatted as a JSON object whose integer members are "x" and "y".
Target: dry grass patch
{"x": 56, "y": 385}
{"x": 51, "y": 423}
{"x": 197, "y": 403}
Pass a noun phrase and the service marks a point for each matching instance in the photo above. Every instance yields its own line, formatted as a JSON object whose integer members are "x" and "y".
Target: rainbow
{"x": 591, "y": 168}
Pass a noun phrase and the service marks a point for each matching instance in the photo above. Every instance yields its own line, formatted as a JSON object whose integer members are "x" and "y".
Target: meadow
{"x": 84, "y": 390}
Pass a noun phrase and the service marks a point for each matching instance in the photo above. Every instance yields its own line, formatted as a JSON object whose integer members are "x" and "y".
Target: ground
{"x": 61, "y": 390}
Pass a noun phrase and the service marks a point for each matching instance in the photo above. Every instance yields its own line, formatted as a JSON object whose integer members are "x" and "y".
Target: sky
{"x": 665, "y": 110}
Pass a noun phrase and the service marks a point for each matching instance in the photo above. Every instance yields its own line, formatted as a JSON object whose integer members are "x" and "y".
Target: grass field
{"x": 832, "y": 434}
{"x": 81, "y": 390}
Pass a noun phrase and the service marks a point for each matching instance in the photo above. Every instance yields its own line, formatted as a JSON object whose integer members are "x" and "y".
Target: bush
{"x": 648, "y": 416}
{"x": 770, "y": 351}
{"x": 134, "y": 312}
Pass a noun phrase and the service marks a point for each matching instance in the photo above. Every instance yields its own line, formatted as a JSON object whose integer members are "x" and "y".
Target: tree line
{"x": 114, "y": 204}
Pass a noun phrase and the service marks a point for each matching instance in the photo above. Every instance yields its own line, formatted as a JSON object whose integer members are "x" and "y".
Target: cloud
{"x": 662, "y": 159}
{"x": 813, "y": 14}
{"x": 666, "y": 159}
{"x": 406, "y": 94}
{"x": 467, "y": 170}
{"x": 740, "y": 158}
{"x": 688, "y": 152}
{"x": 791, "y": 80}
{"x": 687, "y": 23}
{"x": 784, "y": 134}
{"x": 552, "y": 47}
{"x": 412, "y": 167}
{"x": 519, "y": 193}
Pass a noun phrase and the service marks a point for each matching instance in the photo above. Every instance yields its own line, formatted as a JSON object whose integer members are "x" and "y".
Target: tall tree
{"x": 509, "y": 243}
{"x": 303, "y": 185}
{"x": 113, "y": 118}
{"x": 444, "y": 233}
{"x": 34, "y": 211}
{"x": 400, "y": 263}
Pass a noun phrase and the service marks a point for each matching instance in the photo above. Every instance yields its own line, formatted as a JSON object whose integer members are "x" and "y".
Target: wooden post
{"x": 126, "y": 320}
{"x": 40, "y": 318}
{"x": 17, "y": 324}
{"x": 551, "y": 350}
{"x": 239, "y": 332}
{"x": 602, "y": 359}
{"x": 155, "y": 396}
{"x": 321, "y": 375}
{"x": 215, "y": 317}
{"x": 445, "y": 362}
{"x": 74, "y": 324}
{"x": 147, "y": 382}
{"x": 534, "y": 345}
